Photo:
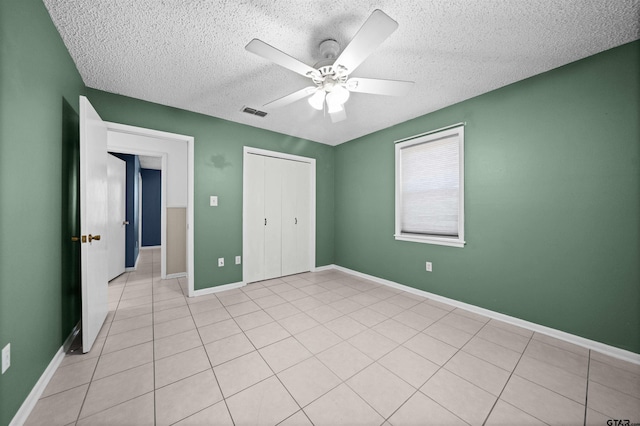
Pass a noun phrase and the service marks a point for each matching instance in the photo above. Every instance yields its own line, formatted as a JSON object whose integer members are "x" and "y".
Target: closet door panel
{"x": 302, "y": 217}
{"x": 254, "y": 252}
{"x": 273, "y": 217}
{"x": 289, "y": 212}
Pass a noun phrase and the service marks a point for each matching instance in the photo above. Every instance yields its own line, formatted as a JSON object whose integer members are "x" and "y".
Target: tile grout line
{"x": 210, "y": 364}
{"x": 376, "y": 361}
{"x": 346, "y": 340}
{"x": 458, "y": 350}
{"x": 371, "y": 328}
{"x": 84, "y": 400}
{"x": 271, "y": 368}
{"x": 586, "y": 394}
{"x": 507, "y": 382}
{"x": 312, "y": 356}
{"x": 153, "y": 339}
{"x": 224, "y": 399}
{"x": 343, "y": 340}
{"x": 440, "y": 367}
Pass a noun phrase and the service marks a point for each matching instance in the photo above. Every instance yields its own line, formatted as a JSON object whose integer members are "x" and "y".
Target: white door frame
{"x": 312, "y": 202}
{"x": 123, "y": 128}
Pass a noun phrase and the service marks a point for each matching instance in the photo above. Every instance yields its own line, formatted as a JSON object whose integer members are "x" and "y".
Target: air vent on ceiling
{"x": 254, "y": 112}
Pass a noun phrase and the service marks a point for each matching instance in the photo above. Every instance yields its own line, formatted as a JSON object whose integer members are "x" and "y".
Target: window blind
{"x": 430, "y": 187}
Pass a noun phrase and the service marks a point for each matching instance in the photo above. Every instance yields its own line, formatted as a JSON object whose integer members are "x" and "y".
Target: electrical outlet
{"x": 429, "y": 267}
{"x": 238, "y": 260}
{"x": 6, "y": 357}
{"x": 220, "y": 261}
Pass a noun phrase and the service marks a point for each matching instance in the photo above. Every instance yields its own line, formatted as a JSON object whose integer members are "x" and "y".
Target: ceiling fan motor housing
{"x": 329, "y": 49}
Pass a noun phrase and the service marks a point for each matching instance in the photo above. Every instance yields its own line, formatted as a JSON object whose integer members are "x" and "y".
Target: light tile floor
{"x": 323, "y": 348}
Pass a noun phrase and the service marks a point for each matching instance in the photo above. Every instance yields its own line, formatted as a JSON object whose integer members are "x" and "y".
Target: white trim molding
{"x": 32, "y": 399}
{"x": 217, "y": 289}
{"x": 410, "y": 143}
{"x": 324, "y": 268}
{"x": 176, "y": 275}
{"x": 552, "y": 332}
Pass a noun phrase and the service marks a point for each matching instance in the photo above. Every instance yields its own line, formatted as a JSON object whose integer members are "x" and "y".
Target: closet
{"x": 277, "y": 217}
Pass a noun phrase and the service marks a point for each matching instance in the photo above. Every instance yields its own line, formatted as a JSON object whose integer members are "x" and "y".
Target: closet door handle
{"x": 265, "y": 221}
{"x": 296, "y": 220}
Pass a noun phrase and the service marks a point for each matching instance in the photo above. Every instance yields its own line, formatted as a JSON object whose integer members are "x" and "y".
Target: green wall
{"x": 551, "y": 204}
{"x": 218, "y": 150}
{"x": 39, "y": 293}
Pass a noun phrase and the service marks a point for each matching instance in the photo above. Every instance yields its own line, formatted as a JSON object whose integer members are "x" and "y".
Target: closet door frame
{"x": 312, "y": 202}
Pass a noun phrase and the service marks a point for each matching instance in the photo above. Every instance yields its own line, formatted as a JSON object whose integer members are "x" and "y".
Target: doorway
{"x": 176, "y": 189}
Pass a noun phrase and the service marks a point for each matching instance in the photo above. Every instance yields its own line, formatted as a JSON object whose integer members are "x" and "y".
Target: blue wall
{"x": 132, "y": 206}
{"x": 151, "y": 193}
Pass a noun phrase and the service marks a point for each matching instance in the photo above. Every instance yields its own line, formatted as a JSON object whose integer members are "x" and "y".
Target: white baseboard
{"x": 324, "y": 268}
{"x": 217, "y": 289}
{"x": 33, "y": 397}
{"x": 149, "y": 247}
{"x": 558, "y": 334}
{"x": 176, "y": 275}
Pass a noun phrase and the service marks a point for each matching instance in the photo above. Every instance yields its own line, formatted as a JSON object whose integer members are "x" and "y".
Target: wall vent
{"x": 253, "y": 111}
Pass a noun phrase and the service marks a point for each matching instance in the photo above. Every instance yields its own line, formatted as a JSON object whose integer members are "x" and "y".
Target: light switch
{"x": 213, "y": 200}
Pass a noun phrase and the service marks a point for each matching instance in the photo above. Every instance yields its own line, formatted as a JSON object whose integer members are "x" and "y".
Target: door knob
{"x": 125, "y": 222}
{"x": 94, "y": 237}
{"x": 75, "y": 239}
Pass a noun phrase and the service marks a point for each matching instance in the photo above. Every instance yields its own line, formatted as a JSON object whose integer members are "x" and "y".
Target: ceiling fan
{"x": 331, "y": 76}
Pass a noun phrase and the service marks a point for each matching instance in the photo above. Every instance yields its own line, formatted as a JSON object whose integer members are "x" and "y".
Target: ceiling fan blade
{"x": 291, "y": 98}
{"x": 379, "y": 87}
{"x": 269, "y": 52}
{"x": 338, "y": 115}
{"x": 373, "y": 32}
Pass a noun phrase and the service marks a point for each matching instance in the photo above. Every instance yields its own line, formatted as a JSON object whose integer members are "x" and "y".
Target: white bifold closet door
{"x": 273, "y": 176}
{"x": 295, "y": 217}
{"x": 277, "y": 222}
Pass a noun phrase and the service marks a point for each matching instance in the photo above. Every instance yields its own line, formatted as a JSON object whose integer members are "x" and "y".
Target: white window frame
{"x": 456, "y": 129}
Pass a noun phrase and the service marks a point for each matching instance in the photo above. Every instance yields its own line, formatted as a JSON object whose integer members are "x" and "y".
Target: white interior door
{"x": 117, "y": 216}
{"x": 93, "y": 222}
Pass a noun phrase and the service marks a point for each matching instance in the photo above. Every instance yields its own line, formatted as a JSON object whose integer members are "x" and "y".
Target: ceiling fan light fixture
{"x": 317, "y": 100}
{"x": 339, "y": 94}
{"x": 332, "y": 105}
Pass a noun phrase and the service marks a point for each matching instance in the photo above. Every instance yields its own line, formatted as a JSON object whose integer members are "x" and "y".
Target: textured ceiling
{"x": 190, "y": 54}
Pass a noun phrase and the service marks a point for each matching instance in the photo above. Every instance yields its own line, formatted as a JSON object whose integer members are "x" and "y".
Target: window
{"x": 430, "y": 188}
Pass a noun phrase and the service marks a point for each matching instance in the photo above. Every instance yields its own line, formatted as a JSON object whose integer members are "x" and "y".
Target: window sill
{"x": 442, "y": 241}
